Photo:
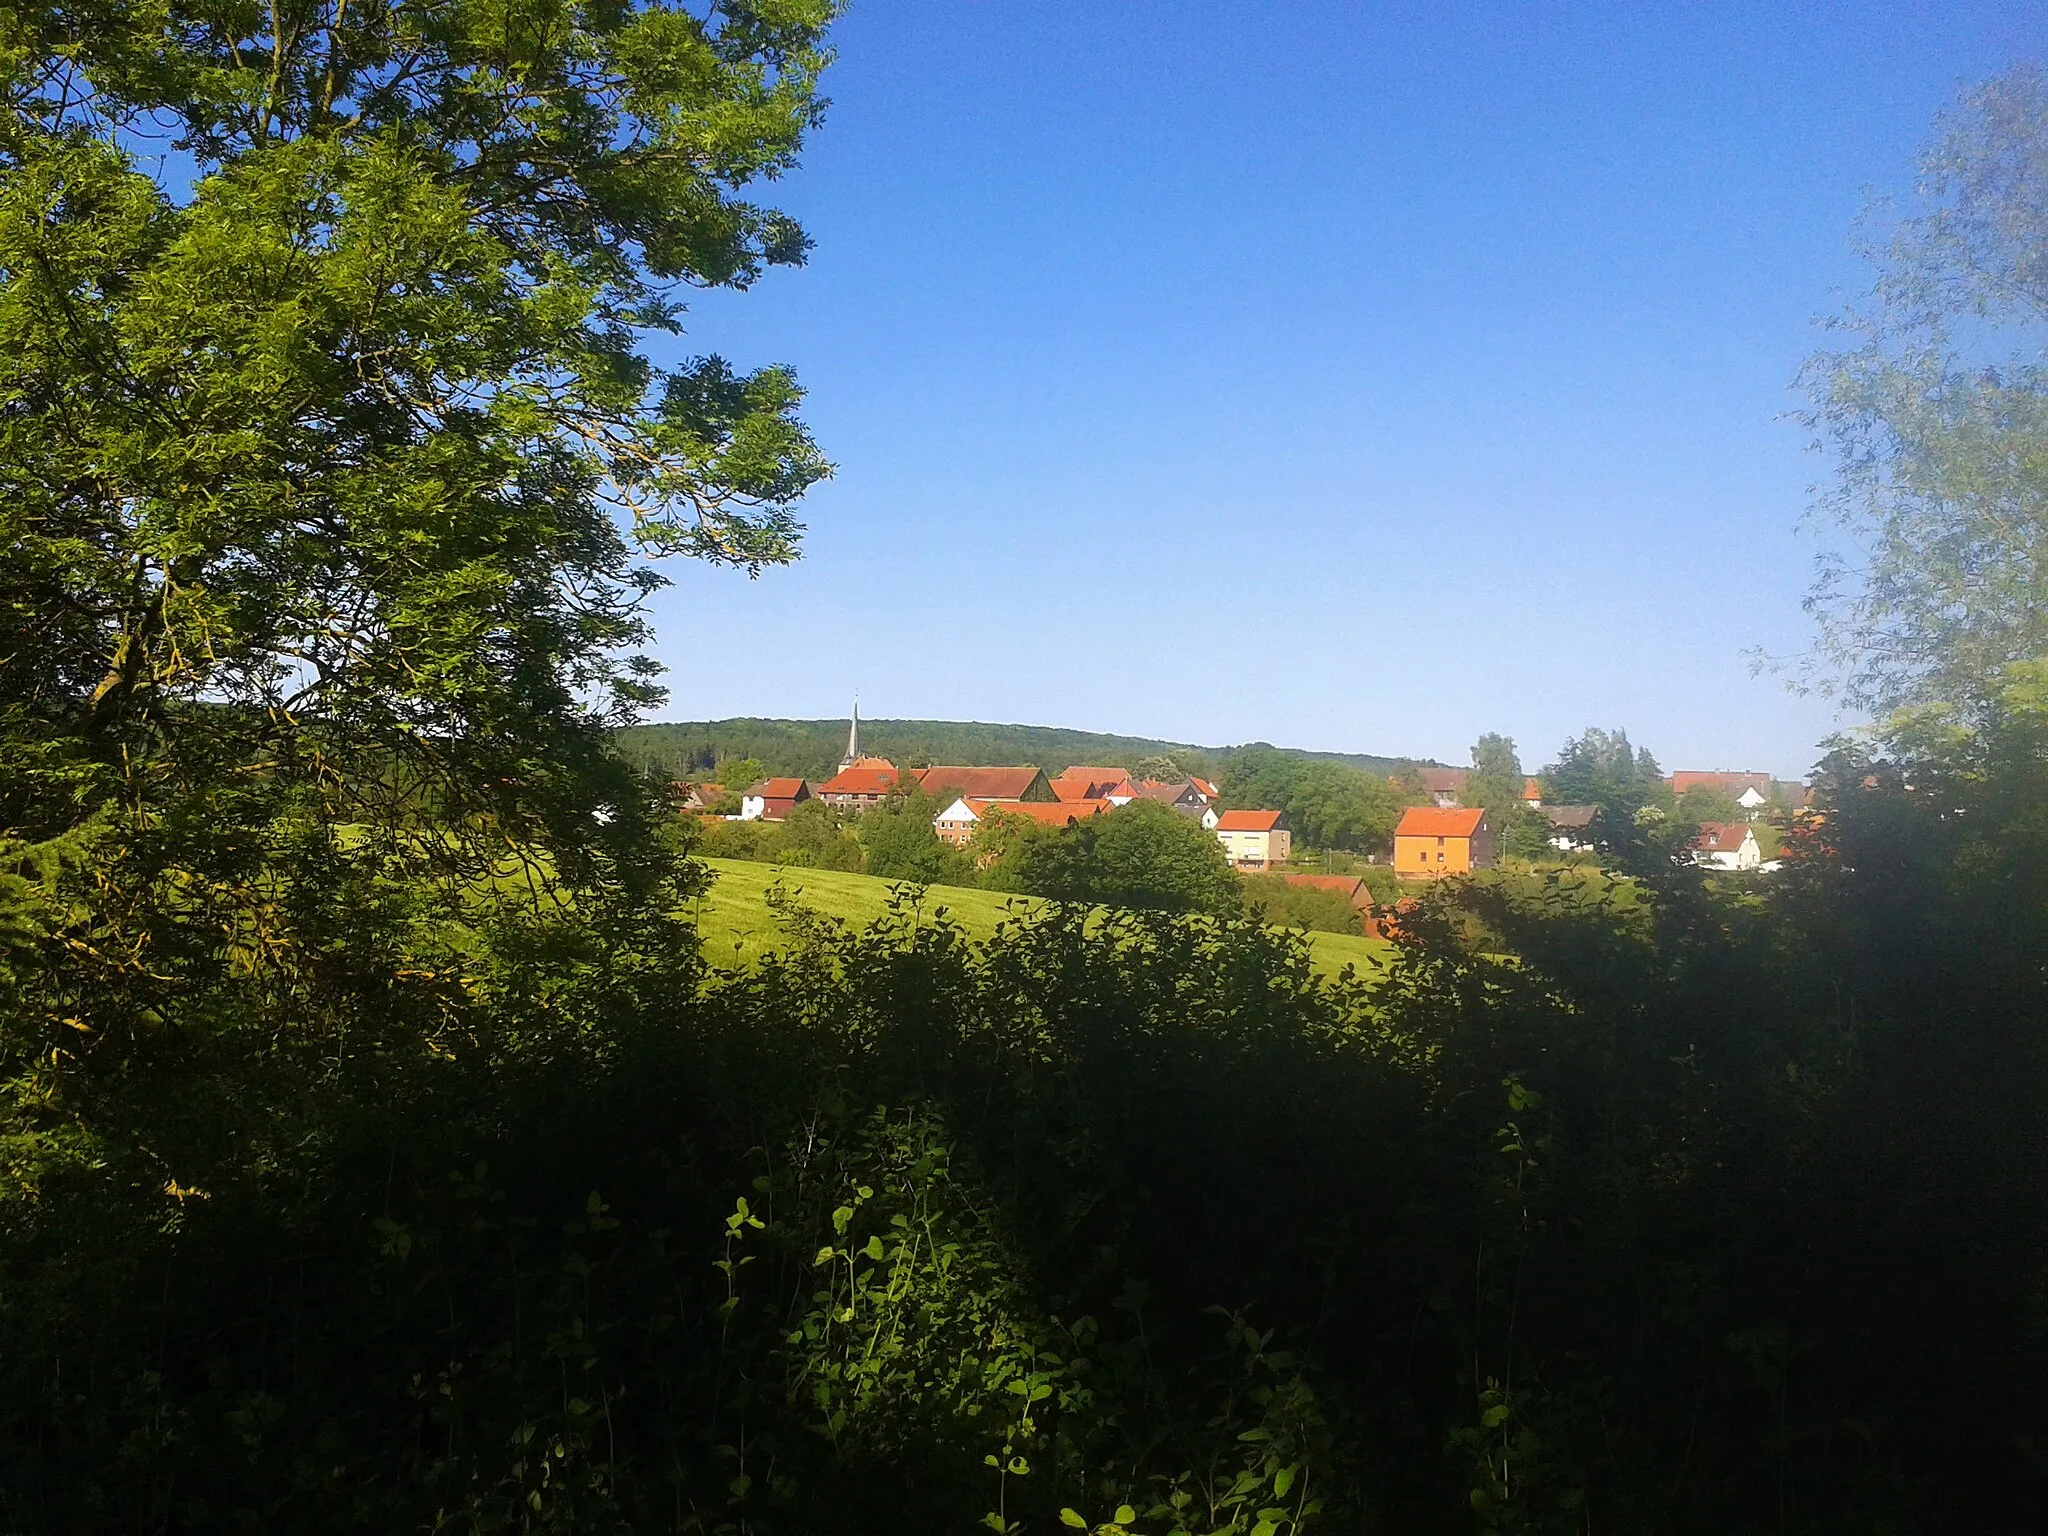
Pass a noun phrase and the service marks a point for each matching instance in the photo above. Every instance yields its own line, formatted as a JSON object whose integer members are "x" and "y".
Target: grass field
{"x": 738, "y": 927}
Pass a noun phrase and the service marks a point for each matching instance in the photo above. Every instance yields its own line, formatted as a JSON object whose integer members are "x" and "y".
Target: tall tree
{"x": 329, "y": 456}
{"x": 1938, "y": 417}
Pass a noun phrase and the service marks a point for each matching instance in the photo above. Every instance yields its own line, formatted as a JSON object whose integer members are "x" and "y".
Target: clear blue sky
{"x": 1358, "y": 377}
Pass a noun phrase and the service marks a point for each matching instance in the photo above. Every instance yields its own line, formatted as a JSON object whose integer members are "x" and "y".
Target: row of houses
{"x": 970, "y": 794}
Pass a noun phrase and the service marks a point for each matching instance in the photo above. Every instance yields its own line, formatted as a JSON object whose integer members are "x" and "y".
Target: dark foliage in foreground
{"x": 1708, "y": 1212}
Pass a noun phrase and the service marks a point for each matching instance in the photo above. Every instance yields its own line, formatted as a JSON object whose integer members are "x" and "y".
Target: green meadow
{"x": 739, "y": 926}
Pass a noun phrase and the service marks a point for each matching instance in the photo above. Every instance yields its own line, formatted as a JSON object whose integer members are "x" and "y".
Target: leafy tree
{"x": 740, "y": 774}
{"x": 1327, "y": 805}
{"x": 320, "y": 440}
{"x": 1273, "y": 899}
{"x": 1496, "y": 783}
{"x": 1938, "y": 416}
{"x": 1161, "y": 768}
{"x": 815, "y": 836}
{"x": 1602, "y": 768}
{"x": 1142, "y": 855}
{"x": 901, "y": 844}
{"x": 1704, "y": 802}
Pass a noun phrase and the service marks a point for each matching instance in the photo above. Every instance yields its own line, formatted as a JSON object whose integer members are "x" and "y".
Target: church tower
{"x": 852, "y": 740}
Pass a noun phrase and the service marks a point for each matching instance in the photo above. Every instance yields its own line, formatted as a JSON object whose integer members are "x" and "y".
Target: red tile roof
{"x": 1721, "y": 836}
{"x": 867, "y": 777}
{"x": 978, "y": 783}
{"x": 1203, "y": 787}
{"x": 1531, "y": 790}
{"x": 780, "y": 789}
{"x": 1440, "y": 821}
{"x": 1056, "y": 813}
{"x": 1086, "y": 783}
{"x": 1248, "y": 821}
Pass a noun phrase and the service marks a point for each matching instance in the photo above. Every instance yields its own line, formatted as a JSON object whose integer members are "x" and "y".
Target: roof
{"x": 1168, "y": 794}
{"x": 869, "y": 776}
{"x": 1085, "y": 783}
{"x": 1731, "y": 783}
{"x": 1440, "y": 821}
{"x": 978, "y": 783}
{"x": 780, "y": 789}
{"x": 1571, "y": 817}
{"x": 1443, "y": 781}
{"x": 1722, "y": 836}
{"x": 1204, "y": 788}
{"x": 1056, "y": 813}
{"x": 1531, "y": 790}
{"x": 1350, "y": 887}
{"x": 1248, "y": 821}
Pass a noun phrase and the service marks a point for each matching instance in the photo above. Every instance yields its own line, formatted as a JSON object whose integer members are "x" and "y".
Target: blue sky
{"x": 1343, "y": 376}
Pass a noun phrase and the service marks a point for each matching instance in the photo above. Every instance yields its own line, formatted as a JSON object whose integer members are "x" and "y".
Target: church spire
{"x": 852, "y": 739}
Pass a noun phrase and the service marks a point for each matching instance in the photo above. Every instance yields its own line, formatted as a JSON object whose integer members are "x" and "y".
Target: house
{"x": 1253, "y": 839}
{"x": 1434, "y": 840}
{"x": 1748, "y": 790}
{"x": 1727, "y": 845}
{"x": 1532, "y": 794}
{"x": 1209, "y": 792}
{"x": 950, "y": 783}
{"x": 1083, "y": 782}
{"x": 1446, "y": 786}
{"x": 958, "y": 822}
{"x": 1571, "y": 826}
{"x": 1351, "y": 887}
{"x": 773, "y": 799}
{"x": 861, "y": 785}
{"x": 696, "y": 798}
{"x": 1180, "y": 797}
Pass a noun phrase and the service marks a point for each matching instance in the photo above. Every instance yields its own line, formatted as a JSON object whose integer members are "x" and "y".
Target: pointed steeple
{"x": 852, "y": 739}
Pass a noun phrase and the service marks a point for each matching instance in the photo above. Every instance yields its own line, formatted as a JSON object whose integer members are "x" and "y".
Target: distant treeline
{"x": 812, "y": 748}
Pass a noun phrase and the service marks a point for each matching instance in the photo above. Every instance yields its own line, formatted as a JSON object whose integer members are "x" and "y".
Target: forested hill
{"x": 812, "y": 748}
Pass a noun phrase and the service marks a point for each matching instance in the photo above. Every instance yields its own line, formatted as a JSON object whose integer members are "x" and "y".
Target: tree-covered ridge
{"x": 812, "y": 748}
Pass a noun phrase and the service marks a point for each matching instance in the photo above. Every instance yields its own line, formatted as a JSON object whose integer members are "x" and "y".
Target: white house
{"x": 1727, "y": 845}
{"x": 1253, "y": 839}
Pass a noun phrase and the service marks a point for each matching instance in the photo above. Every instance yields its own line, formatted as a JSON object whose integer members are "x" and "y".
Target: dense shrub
{"x": 1297, "y": 906}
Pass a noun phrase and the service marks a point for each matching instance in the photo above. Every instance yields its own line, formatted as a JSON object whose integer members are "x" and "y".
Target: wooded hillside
{"x": 812, "y": 748}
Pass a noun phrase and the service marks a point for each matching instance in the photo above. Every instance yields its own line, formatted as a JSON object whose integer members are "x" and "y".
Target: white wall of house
{"x": 752, "y": 807}
{"x": 956, "y": 823}
{"x": 1747, "y": 855}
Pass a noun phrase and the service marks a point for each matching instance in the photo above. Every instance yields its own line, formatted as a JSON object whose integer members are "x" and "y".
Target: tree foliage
{"x": 1143, "y": 855}
{"x": 1326, "y": 804}
{"x": 1937, "y": 414}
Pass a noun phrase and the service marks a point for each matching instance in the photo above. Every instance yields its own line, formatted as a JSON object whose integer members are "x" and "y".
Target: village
{"x": 1443, "y": 834}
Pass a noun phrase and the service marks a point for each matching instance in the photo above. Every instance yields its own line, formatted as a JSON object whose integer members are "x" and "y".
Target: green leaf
{"x": 1069, "y": 1517}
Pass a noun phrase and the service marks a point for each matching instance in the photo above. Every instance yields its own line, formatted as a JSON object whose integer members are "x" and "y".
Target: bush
{"x": 1274, "y": 900}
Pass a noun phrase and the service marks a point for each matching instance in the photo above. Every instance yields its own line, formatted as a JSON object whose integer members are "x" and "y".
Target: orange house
{"x": 1442, "y": 840}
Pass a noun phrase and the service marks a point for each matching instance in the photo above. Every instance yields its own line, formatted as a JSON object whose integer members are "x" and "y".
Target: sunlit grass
{"x": 738, "y": 926}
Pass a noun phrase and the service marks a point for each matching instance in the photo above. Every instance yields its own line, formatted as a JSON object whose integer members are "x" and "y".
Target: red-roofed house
{"x": 1205, "y": 789}
{"x": 1253, "y": 839}
{"x": 957, "y": 823}
{"x": 1181, "y": 797}
{"x": 1727, "y": 845}
{"x": 1082, "y": 782}
{"x": 773, "y": 799}
{"x": 1021, "y": 783}
{"x": 1532, "y": 794}
{"x": 1434, "y": 840}
{"x": 866, "y": 783}
{"x": 698, "y": 797}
